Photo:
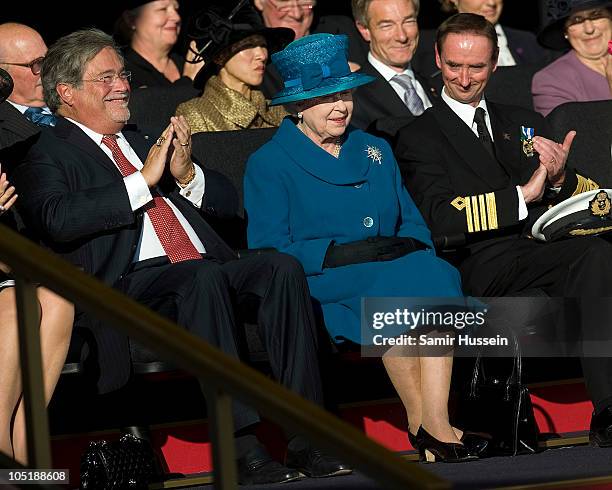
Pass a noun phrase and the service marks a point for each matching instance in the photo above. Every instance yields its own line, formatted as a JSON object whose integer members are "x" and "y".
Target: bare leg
{"x": 55, "y": 329}
{"x": 436, "y": 378}
{"x": 10, "y": 384}
{"x": 404, "y": 370}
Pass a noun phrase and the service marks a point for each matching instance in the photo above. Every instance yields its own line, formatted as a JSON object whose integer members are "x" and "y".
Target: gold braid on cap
{"x": 584, "y": 185}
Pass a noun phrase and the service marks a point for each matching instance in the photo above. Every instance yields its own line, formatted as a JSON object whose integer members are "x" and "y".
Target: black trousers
{"x": 200, "y": 295}
{"x": 578, "y": 268}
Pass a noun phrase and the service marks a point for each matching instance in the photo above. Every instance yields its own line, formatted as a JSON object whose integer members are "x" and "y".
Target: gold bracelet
{"x": 189, "y": 179}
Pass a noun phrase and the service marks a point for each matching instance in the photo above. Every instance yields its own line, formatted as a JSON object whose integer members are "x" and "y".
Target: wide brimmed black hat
{"x": 553, "y": 34}
{"x": 216, "y": 29}
{"x": 6, "y": 85}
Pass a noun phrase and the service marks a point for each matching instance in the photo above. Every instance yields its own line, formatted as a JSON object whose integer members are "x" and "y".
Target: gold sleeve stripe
{"x": 491, "y": 210}
{"x": 480, "y": 211}
{"x": 476, "y": 213}
{"x": 483, "y": 211}
{"x": 468, "y": 213}
{"x": 584, "y": 185}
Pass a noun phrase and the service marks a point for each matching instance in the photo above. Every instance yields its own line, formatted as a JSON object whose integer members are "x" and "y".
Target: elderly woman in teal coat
{"x": 329, "y": 194}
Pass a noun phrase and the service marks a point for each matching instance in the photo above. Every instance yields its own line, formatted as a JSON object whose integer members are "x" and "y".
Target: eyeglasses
{"x": 285, "y": 6}
{"x": 111, "y": 78}
{"x": 575, "y": 20}
{"x": 34, "y": 65}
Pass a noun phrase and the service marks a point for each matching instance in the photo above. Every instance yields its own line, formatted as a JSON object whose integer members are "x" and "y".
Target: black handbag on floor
{"x": 128, "y": 463}
{"x": 501, "y": 407}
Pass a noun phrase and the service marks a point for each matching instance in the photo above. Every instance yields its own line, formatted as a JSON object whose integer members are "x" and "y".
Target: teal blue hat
{"x": 313, "y": 66}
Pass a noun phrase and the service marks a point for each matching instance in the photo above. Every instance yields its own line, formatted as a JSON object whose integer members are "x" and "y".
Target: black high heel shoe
{"x": 413, "y": 440}
{"x": 432, "y": 450}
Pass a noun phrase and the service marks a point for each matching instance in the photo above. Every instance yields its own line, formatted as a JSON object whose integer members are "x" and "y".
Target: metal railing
{"x": 224, "y": 376}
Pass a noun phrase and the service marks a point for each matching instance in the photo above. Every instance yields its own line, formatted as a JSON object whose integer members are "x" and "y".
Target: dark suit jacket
{"x": 17, "y": 134}
{"x": 342, "y": 24}
{"x": 73, "y": 197}
{"x": 462, "y": 190}
{"x": 378, "y": 100}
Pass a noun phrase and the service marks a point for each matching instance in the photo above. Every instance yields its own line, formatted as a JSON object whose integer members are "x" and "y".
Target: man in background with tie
{"x": 22, "y": 50}
{"x": 390, "y": 26}
{"x": 130, "y": 214}
{"x": 479, "y": 171}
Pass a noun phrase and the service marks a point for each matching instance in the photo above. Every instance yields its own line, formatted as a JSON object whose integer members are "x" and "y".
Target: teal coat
{"x": 300, "y": 199}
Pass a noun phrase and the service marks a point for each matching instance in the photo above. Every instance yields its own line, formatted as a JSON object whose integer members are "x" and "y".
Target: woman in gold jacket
{"x": 235, "y": 53}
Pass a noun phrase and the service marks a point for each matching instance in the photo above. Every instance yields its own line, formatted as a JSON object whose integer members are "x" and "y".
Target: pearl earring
{"x": 300, "y": 115}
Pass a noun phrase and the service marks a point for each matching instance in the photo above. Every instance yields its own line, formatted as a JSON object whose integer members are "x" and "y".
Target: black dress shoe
{"x": 315, "y": 464}
{"x": 475, "y": 443}
{"x": 600, "y": 433}
{"x": 257, "y": 467}
{"x": 432, "y": 450}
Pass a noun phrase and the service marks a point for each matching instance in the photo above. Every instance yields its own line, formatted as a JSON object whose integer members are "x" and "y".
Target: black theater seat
{"x": 591, "y": 152}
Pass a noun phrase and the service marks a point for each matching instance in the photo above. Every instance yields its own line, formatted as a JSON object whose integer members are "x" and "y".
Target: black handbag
{"x": 501, "y": 407}
{"x": 128, "y": 463}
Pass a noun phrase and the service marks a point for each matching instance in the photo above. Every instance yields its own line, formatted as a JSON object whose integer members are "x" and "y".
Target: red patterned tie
{"x": 171, "y": 234}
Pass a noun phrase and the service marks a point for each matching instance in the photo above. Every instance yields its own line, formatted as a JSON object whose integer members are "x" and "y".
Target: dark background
{"x": 56, "y": 18}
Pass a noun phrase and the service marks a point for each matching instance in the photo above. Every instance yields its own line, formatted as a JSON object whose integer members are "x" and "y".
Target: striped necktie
{"x": 411, "y": 98}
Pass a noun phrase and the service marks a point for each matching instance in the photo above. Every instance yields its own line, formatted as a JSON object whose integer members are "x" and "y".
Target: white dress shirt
{"x": 466, "y": 113}
{"x": 23, "y": 108}
{"x": 505, "y": 57}
{"x": 388, "y": 73}
{"x": 139, "y": 194}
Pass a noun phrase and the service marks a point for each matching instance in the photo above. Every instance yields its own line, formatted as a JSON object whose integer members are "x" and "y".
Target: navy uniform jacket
{"x": 462, "y": 190}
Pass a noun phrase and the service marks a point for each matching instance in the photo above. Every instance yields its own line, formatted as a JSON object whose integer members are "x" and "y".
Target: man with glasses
{"x": 131, "y": 214}
{"x": 22, "y": 50}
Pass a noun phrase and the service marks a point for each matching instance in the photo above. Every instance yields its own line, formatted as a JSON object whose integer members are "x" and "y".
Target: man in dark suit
{"x": 21, "y": 52}
{"x": 131, "y": 215}
{"x": 390, "y": 26}
{"x": 471, "y": 175}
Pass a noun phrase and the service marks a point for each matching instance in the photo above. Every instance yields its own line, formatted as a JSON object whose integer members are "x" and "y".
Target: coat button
{"x": 368, "y": 222}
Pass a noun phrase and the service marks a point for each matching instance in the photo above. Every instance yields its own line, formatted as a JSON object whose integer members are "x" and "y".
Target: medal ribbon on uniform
{"x": 527, "y": 140}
